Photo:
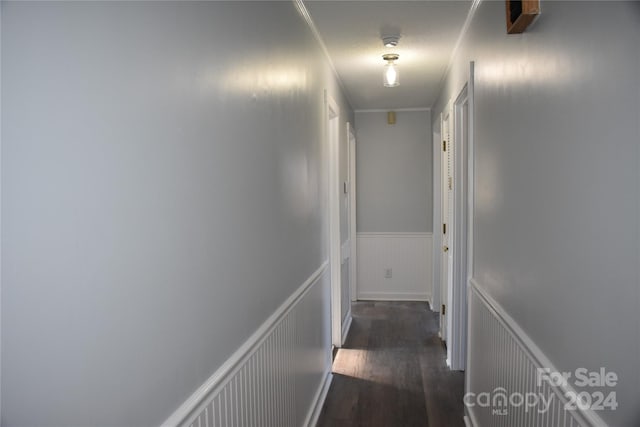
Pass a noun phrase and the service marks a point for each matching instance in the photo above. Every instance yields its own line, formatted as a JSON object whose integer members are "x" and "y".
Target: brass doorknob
{"x": 445, "y": 248}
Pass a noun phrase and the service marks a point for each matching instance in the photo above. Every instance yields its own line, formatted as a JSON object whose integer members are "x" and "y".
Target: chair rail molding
{"x": 503, "y": 357}
{"x": 259, "y": 385}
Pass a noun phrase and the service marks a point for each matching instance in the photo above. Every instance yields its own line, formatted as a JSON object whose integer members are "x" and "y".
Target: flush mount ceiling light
{"x": 390, "y": 41}
{"x": 390, "y": 76}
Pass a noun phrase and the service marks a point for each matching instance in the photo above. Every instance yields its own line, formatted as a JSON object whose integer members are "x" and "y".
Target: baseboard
{"x": 238, "y": 388}
{"x": 430, "y": 302}
{"x": 318, "y": 402}
{"x": 509, "y": 359}
{"x": 469, "y": 419}
{"x": 393, "y": 296}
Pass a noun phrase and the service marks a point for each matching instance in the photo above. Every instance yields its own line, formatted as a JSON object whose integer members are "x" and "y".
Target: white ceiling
{"x": 351, "y": 31}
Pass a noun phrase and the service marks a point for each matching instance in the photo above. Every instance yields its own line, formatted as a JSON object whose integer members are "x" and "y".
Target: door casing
{"x": 353, "y": 266}
{"x": 446, "y": 208}
{"x": 457, "y": 264}
{"x": 437, "y": 217}
{"x": 333, "y": 142}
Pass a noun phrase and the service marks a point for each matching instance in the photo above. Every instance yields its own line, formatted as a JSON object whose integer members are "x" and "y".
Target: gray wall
{"x": 163, "y": 192}
{"x": 557, "y": 175}
{"x": 394, "y": 172}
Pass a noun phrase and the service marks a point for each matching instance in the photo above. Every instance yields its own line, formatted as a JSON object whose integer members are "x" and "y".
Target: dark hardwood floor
{"x": 392, "y": 371}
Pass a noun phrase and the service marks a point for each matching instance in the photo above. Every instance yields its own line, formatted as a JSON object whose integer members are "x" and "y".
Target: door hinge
{"x": 444, "y": 145}
{"x": 443, "y": 310}
{"x": 444, "y": 228}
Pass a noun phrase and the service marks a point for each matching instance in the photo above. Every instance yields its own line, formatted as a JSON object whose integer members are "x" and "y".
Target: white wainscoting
{"x": 409, "y": 257}
{"x": 280, "y": 375}
{"x": 503, "y": 360}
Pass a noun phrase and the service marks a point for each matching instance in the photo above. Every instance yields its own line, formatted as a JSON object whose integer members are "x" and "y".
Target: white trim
{"x": 302, "y": 10}
{"x": 335, "y": 246}
{"x": 318, "y": 402}
{"x": 533, "y": 352}
{"x": 366, "y": 234}
{"x": 468, "y": 419}
{"x": 345, "y": 251}
{"x": 470, "y": 201}
{"x": 1, "y": 223}
{"x": 458, "y": 305}
{"x": 393, "y": 296}
{"x": 445, "y": 133}
{"x": 397, "y": 110}
{"x": 235, "y": 361}
{"x": 346, "y": 325}
{"x": 470, "y": 169}
{"x": 436, "y": 251}
{"x": 469, "y": 416}
{"x": 353, "y": 266}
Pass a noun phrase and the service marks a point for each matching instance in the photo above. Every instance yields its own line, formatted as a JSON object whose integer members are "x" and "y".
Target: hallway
{"x": 192, "y": 193}
{"x": 392, "y": 372}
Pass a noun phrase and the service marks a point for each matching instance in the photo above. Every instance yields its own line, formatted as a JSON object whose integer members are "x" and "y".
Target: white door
{"x": 352, "y": 212}
{"x": 437, "y": 217}
{"x": 462, "y": 253}
{"x": 446, "y": 268}
{"x": 345, "y": 235}
{"x": 457, "y": 221}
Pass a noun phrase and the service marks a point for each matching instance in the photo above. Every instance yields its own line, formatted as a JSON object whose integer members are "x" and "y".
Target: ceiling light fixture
{"x": 390, "y": 76}
{"x": 390, "y": 41}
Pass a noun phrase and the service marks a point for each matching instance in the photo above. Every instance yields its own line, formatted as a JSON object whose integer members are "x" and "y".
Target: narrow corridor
{"x": 392, "y": 371}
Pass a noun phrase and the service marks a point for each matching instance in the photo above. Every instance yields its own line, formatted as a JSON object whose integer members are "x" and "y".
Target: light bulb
{"x": 391, "y": 75}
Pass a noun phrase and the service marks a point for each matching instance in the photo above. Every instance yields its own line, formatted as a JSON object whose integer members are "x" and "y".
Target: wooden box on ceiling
{"x": 520, "y": 14}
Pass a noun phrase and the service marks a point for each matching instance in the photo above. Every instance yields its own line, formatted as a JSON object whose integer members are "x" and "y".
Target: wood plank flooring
{"x": 392, "y": 371}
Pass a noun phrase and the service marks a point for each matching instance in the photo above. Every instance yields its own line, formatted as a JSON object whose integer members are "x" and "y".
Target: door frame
{"x": 353, "y": 265}
{"x": 446, "y": 118}
{"x": 463, "y": 195}
{"x": 333, "y": 142}
{"x": 470, "y": 203}
{"x": 437, "y": 216}
{"x": 455, "y": 331}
